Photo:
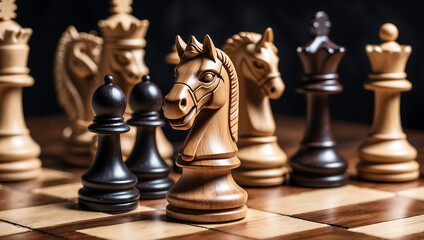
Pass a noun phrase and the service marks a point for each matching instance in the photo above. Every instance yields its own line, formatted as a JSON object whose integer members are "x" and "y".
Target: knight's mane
{"x": 67, "y": 94}
{"x": 193, "y": 50}
{"x": 238, "y": 40}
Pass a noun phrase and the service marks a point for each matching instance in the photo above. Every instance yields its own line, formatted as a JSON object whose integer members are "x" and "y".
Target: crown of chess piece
{"x": 82, "y": 59}
{"x": 144, "y": 160}
{"x": 317, "y": 163}
{"x": 18, "y": 151}
{"x": 204, "y": 99}
{"x": 109, "y": 186}
{"x": 255, "y": 58}
{"x": 386, "y": 155}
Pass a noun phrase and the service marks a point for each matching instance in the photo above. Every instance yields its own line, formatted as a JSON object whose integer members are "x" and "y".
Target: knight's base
{"x": 206, "y": 216}
{"x": 113, "y": 208}
{"x": 260, "y": 177}
{"x": 262, "y": 162}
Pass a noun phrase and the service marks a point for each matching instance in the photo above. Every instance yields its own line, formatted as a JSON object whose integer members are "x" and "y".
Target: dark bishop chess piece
{"x": 145, "y": 161}
{"x": 108, "y": 185}
{"x": 317, "y": 164}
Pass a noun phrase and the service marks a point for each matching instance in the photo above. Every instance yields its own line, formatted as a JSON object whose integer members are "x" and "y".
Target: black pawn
{"x": 108, "y": 185}
{"x": 145, "y": 161}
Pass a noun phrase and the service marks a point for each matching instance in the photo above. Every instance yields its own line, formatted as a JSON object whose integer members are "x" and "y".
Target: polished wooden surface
{"x": 386, "y": 155}
{"x": 377, "y": 203}
{"x": 317, "y": 163}
{"x": 254, "y": 55}
{"x": 205, "y": 99}
{"x": 18, "y": 151}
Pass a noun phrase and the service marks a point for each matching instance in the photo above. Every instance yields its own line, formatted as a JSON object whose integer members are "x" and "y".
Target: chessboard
{"x": 46, "y": 208}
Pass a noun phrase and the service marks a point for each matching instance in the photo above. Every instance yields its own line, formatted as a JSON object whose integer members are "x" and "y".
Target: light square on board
{"x": 145, "y": 229}
{"x": 252, "y": 215}
{"x": 66, "y": 191}
{"x": 416, "y": 193}
{"x": 394, "y": 229}
{"x": 316, "y": 200}
{"x": 270, "y": 227}
{"x": 54, "y": 214}
{"x": 48, "y": 174}
{"x": 9, "y": 229}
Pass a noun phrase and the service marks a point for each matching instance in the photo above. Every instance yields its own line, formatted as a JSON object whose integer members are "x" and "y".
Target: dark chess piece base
{"x": 318, "y": 167}
{"x": 154, "y": 189}
{"x": 106, "y": 201}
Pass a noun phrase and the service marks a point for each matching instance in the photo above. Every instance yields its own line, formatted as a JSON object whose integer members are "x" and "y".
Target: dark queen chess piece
{"x": 108, "y": 185}
{"x": 144, "y": 160}
{"x": 317, "y": 164}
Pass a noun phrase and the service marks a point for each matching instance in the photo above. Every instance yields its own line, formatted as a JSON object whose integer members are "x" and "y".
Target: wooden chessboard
{"x": 46, "y": 208}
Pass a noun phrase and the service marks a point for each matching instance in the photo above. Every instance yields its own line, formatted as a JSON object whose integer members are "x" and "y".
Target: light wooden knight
{"x": 204, "y": 99}
{"x": 386, "y": 155}
{"x": 81, "y": 61}
{"x": 18, "y": 151}
{"x": 256, "y": 62}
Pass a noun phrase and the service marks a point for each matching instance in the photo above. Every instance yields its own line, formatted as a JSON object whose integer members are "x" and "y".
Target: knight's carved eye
{"x": 207, "y": 77}
{"x": 258, "y": 64}
{"x": 123, "y": 57}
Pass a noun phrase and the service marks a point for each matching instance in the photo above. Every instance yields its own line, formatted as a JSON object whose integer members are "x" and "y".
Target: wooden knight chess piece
{"x": 18, "y": 151}
{"x": 256, "y": 62}
{"x": 108, "y": 185}
{"x": 386, "y": 155}
{"x": 82, "y": 59}
{"x": 75, "y": 71}
{"x": 144, "y": 160}
{"x": 317, "y": 163}
{"x": 204, "y": 99}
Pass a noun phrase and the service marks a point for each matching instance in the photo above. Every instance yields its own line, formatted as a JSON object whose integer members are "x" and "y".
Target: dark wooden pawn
{"x": 144, "y": 160}
{"x": 108, "y": 185}
{"x": 317, "y": 163}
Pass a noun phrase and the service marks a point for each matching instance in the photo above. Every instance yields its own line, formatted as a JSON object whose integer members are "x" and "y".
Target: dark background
{"x": 354, "y": 24}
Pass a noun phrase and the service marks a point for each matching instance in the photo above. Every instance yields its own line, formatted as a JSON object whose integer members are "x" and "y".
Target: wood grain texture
{"x": 395, "y": 228}
{"x": 18, "y": 151}
{"x": 47, "y": 131}
{"x": 270, "y": 227}
{"x": 207, "y": 104}
{"x": 145, "y": 229}
{"x": 386, "y": 155}
{"x": 22, "y": 199}
{"x": 66, "y": 191}
{"x": 255, "y": 59}
{"x": 416, "y": 193}
{"x": 327, "y": 233}
{"x": 9, "y": 229}
{"x": 321, "y": 199}
{"x": 317, "y": 162}
{"x": 362, "y": 214}
{"x": 31, "y": 235}
{"x": 82, "y": 59}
